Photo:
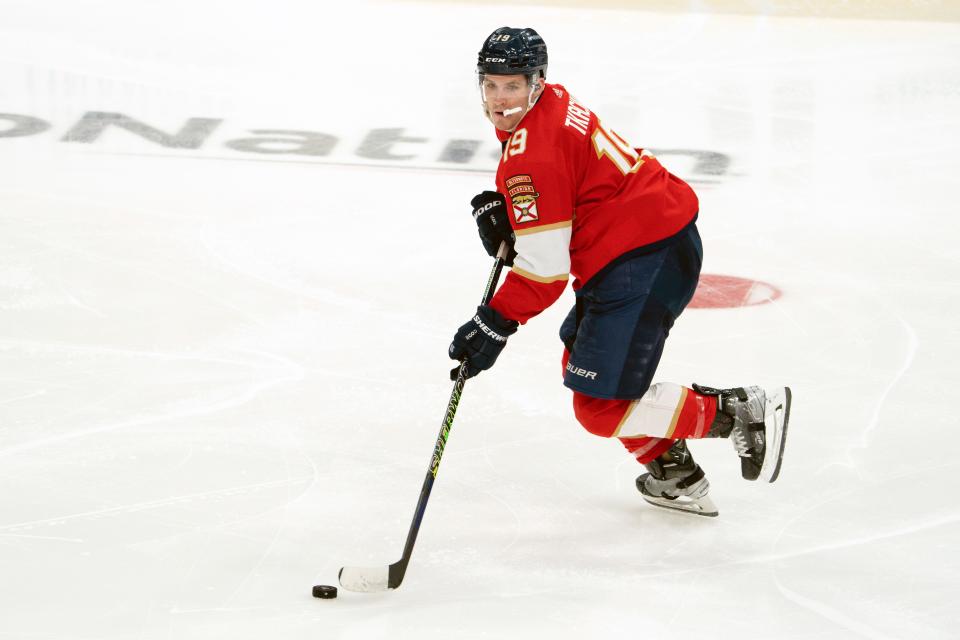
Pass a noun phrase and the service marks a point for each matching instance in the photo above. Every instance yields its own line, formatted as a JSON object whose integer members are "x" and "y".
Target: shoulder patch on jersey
{"x": 523, "y": 197}
{"x": 558, "y": 92}
{"x": 518, "y": 179}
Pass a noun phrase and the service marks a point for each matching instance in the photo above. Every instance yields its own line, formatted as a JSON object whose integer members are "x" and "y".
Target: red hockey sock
{"x": 669, "y": 411}
{"x": 696, "y": 416}
{"x": 646, "y": 449}
{"x": 598, "y": 416}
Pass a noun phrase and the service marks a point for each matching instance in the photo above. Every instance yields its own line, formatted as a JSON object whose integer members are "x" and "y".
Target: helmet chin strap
{"x": 530, "y": 100}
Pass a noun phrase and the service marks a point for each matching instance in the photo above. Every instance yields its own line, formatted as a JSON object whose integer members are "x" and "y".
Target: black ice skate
{"x": 677, "y": 482}
{"x": 756, "y": 422}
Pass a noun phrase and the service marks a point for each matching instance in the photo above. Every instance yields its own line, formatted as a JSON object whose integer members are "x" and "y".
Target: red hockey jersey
{"x": 579, "y": 197}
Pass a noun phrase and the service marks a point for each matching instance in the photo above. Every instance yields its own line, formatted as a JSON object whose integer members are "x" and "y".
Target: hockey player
{"x": 575, "y": 199}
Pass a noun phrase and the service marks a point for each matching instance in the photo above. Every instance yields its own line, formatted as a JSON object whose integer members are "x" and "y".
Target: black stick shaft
{"x": 399, "y": 568}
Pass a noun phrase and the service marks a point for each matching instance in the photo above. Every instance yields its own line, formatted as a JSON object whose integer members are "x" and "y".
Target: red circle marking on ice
{"x": 724, "y": 292}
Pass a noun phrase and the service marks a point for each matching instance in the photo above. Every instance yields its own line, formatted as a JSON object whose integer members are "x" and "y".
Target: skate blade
{"x": 776, "y": 416}
{"x": 702, "y": 507}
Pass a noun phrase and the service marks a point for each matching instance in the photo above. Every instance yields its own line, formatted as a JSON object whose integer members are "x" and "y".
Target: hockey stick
{"x": 373, "y": 579}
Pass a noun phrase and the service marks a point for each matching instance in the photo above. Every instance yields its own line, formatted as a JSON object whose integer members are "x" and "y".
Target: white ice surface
{"x": 222, "y": 373}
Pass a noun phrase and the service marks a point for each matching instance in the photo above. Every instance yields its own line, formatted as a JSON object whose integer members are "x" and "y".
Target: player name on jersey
{"x": 578, "y": 116}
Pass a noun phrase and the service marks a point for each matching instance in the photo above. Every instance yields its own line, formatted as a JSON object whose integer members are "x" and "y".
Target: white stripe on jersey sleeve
{"x": 543, "y": 253}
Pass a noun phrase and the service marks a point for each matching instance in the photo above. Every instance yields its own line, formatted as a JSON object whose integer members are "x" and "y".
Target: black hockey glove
{"x": 481, "y": 340}
{"x": 490, "y": 213}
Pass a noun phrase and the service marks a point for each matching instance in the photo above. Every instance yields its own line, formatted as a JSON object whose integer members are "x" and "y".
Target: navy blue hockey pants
{"x": 616, "y": 330}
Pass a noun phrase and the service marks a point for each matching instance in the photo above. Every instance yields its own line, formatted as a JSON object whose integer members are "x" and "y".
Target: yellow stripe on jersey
{"x": 543, "y": 279}
{"x": 546, "y": 227}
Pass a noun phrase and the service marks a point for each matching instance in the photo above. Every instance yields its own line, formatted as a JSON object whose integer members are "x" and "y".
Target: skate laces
{"x": 748, "y": 414}
{"x": 740, "y": 442}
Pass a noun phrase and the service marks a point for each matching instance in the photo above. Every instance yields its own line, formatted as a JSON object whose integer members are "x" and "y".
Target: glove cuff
{"x": 492, "y": 323}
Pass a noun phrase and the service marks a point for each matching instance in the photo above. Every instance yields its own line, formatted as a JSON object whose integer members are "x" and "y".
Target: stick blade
{"x": 365, "y": 579}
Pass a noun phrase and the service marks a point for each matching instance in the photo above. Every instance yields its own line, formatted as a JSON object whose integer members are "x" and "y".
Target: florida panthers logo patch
{"x": 525, "y": 209}
{"x": 523, "y": 197}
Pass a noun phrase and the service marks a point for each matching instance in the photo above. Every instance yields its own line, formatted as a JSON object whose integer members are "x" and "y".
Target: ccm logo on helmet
{"x": 494, "y": 59}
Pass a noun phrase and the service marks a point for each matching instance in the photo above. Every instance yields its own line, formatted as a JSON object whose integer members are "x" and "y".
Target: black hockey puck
{"x": 324, "y": 591}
